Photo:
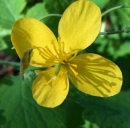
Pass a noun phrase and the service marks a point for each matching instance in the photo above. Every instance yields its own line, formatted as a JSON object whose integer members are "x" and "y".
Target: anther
{"x": 73, "y": 71}
{"x": 75, "y": 54}
{"x": 33, "y": 62}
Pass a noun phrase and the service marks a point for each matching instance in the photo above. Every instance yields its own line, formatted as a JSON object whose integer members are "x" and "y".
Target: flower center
{"x": 56, "y": 53}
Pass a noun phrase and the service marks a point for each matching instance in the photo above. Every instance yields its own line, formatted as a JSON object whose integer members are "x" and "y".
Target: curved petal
{"x": 97, "y": 75}
{"x": 80, "y": 24}
{"x": 29, "y": 32}
{"x": 50, "y": 94}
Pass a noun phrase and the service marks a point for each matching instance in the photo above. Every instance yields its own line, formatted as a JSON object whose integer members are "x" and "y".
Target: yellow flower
{"x": 78, "y": 28}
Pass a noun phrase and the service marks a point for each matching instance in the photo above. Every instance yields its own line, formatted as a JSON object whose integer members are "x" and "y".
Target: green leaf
{"x": 37, "y": 11}
{"x": 100, "y": 3}
{"x": 2, "y": 117}
{"x": 8, "y": 45}
{"x": 20, "y": 108}
{"x": 123, "y": 50}
{"x": 122, "y": 15}
{"x": 3, "y": 45}
{"x": 10, "y": 11}
{"x": 21, "y": 111}
{"x": 55, "y": 7}
{"x": 112, "y": 112}
{"x": 89, "y": 124}
{"x": 113, "y": 45}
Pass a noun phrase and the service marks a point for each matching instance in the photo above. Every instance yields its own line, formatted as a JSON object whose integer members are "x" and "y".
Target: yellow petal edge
{"x": 80, "y": 24}
{"x": 50, "y": 94}
{"x": 97, "y": 75}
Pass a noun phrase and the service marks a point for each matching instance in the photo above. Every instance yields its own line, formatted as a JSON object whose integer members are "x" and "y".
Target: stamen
{"x": 43, "y": 56}
{"x": 73, "y": 71}
{"x": 61, "y": 61}
{"x": 56, "y": 61}
{"x": 58, "y": 66}
{"x": 37, "y": 72}
{"x": 63, "y": 47}
{"x": 45, "y": 53}
{"x": 63, "y": 55}
{"x": 49, "y": 52}
{"x": 75, "y": 54}
{"x": 66, "y": 83}
{"x": 59, "y": 43}
{"x": 49, "y": 81}
{"x": 70, "y": 52}
{"x": 53, "y": 78}
{"x": 55, "y": 48}
{"x": 72, "y": 65}
{"x": 34, "y": 62}
{"x": 40, "y": 51}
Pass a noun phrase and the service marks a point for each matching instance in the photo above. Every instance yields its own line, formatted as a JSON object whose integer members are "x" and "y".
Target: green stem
{"x": 49, "y": 15}
{"x": 118, "y": 31}
{"x": 125, "y": 30}
{"x": 10, "y": 63}
{"x": 103, "y": 14}
{"x": 58, "y": 66}
{"x": 114, "y": 8}
{"x": 112, "y": 32}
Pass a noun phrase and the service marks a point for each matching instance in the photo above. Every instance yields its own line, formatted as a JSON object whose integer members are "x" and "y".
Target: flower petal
{"x": 80, "y": 24}
{"x": 54, "y": 93}
{"x": 97, "y": 75}
{"x": 29, "y": 32}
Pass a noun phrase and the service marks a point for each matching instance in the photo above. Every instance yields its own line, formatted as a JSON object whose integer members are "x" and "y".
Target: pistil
{"x": 58, "y": 66}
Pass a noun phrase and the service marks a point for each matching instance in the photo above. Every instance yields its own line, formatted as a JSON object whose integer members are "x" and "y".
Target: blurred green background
{"x": 17, "y": 107}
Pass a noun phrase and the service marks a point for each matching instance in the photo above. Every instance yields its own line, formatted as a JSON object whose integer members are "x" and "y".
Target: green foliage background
{"x": 17, "y": 107}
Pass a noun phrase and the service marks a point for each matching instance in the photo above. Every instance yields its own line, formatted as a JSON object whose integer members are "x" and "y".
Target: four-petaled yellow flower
{"x": 78, "y": 28}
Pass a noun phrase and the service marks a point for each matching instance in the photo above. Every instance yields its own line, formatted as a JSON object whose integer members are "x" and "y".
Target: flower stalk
{"x": 10, "y": 63}
{"x": 114, "y": 8}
